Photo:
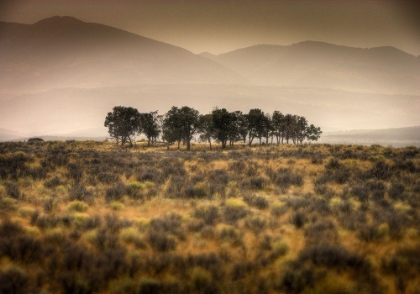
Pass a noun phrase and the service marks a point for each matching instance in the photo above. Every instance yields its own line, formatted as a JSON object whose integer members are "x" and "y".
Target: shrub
{"x": 234, "y": 210}
{"x": 75, "y": 172}
{"x": 298, "y": 219}
{"x": 115, "y": 192}
{"x": 256, "y": 201}
{"x": 361, "y": 192}
{"x": 171, "y": 223}
{"x": 257, "y": 183}
{"x": 201, "y": 279}
{"x": 78, "y": 206}
{"x": 322, "y": 231}
{"x": 13, "y": 280}
{"x": 13, "y": 190}
{"x": 295, "y": 281}
{"x": 278, "y": 208}
{"x": 396, "y": 191}
{"x": 368, "y": 233}
{"x": 230, "y": 234}
{"x": 209, "y": 214}
{"x": 10, "y": 228}
{"x": 256, "y": 224}
{"x": 52, "y": 183}
{"x": 148, "y": 286}
{"x": 333, "y": 163}
{"x": 152, "y": 175}
{"x": 280, "y": 248}
{"x": 195, "y": 192}
{"x": 160, "y": 241}
{"x": 332, "y": 256}
{"x": 107, "y": 177}
{"x": 79, "y": 192}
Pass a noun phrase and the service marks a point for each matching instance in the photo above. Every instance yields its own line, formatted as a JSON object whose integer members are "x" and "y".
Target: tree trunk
{"x": 188, "y": 145}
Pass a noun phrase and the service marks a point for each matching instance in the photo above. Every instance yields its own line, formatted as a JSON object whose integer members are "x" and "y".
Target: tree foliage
{"x": 123, "y": 123}
{"x": 186, "y": 124}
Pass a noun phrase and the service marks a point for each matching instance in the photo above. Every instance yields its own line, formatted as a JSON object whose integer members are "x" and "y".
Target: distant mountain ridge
{"x": 395, "y": 137}
{"x": 323, "y": 65}
{"x": 61, "y": 52}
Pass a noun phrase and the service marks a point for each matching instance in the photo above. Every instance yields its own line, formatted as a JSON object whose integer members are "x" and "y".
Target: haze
{"x": 342, "y": 64}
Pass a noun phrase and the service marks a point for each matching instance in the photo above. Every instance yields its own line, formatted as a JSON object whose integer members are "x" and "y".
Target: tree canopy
{"x": 186, "y": 124}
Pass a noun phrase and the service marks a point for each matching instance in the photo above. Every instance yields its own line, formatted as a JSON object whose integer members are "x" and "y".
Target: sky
{"x": 218, "y": 26}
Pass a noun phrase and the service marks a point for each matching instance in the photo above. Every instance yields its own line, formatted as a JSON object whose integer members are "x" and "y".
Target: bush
{"x": 115, "y": 192}
{"x": 332, "y": 256}
{"x": 13, "y": 280}
{"x": 396, "y": 191}
{"x": 13, "y": 190}
{"x": 256, "y": 201}
{"x": 234, "y": 211}
{"x": 230, "y": 234}
{"x": 298, "y": 219}
{"x": 209, "y": 214}
{"x": 256, "y": 224}
{"x": 52, "y": 183}
{"x": 361, "y": 192}
{"x": 257, "y": 183}
{"x": 295, "y": 281}
{"x": 79, "y": 192}
{"x": 148, "y": 286}
{"x": 107, "y": 177}
{"x": 368, "y": 233}
{"x": 322, "y": 231}
{"x": 78, "y": 206}
{"x": 194, "y": 192}
{"x": 160, "y": 241}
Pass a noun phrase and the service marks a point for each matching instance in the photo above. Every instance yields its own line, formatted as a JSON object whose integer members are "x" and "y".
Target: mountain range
{"x": 62, "y": 75}
{"x": 61, "y": 52}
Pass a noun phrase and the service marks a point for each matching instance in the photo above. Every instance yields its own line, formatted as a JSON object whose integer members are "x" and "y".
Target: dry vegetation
{"x": 88, "y": 217}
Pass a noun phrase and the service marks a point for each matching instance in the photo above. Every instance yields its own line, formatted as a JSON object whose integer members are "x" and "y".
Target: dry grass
{"x": 267, "y": 219}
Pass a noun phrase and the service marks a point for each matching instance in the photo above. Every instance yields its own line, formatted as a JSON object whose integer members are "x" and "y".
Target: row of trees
{"x": 185, "y": 124}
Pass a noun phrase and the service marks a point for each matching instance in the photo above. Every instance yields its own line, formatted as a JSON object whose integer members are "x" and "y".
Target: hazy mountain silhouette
{"x": 8, "y": 135}
{"x": 65, "y": 52}
{"x": 323, "y": 65}
{"x": 396, "y": 137}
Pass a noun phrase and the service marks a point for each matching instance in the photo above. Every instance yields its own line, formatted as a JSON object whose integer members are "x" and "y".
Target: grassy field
{"x": 91, "y": 217}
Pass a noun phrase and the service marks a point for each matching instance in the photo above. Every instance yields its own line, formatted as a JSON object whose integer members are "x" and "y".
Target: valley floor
{"x": 91, "y": 217}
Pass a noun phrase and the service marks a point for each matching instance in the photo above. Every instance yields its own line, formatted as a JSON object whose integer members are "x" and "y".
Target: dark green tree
{"x": 301, "y": 126}
{"x": 313, "y": 133}
{"x": 123, "y": 123}
{"x": 256, "y": 124}
{"x": 149, "y": 126}
{"x": 278, "y": 125}
{"x": 222, "y": 122}
{"x": 182, "y": 123}
{"x": 206, "y": 128}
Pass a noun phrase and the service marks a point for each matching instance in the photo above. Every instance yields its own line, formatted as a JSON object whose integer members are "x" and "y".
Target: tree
{"x": 278, "y": 125}
{"x": 289, "y": 126}
{"x": 181, "y": 124}
{"x": 300, "y": 128}
{"x": 206, "y": 128}
{"x": 171, "y": 127}
{"x": 222, "y": 122}
{"x": 149, "y": 126}
{"x": 256, "y": 124}
{"x": 123, "y": 123}
{"x": 313, "y": 133}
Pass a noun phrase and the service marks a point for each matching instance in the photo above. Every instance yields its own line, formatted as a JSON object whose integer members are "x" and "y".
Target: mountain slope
{"x": 323, "y": 65}
{"x": 65, "y": 52}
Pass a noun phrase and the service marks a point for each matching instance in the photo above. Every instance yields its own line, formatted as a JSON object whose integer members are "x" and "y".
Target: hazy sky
{"x": 219, "y": 26}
